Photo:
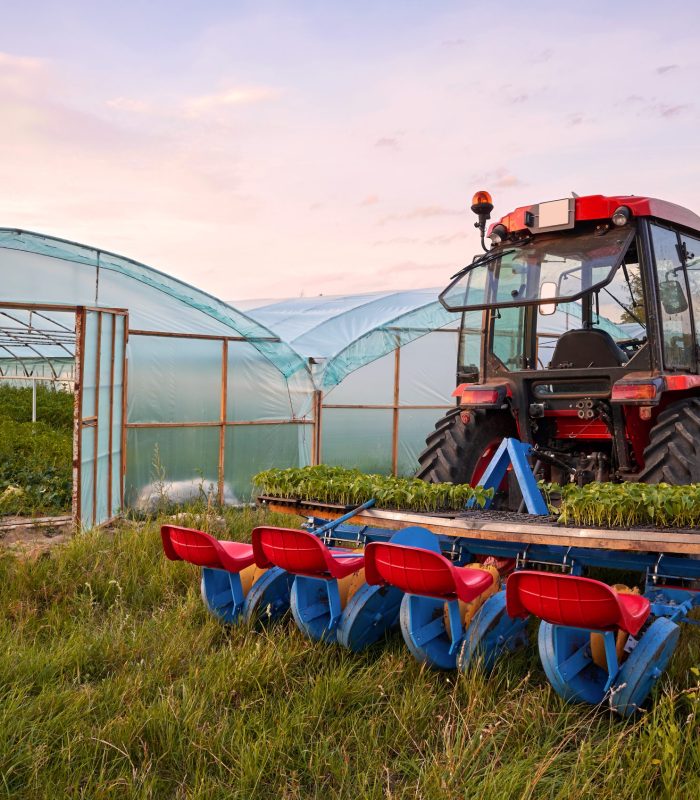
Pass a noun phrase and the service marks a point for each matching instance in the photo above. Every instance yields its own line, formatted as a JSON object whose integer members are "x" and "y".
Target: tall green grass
{"x": 116, "y": 683}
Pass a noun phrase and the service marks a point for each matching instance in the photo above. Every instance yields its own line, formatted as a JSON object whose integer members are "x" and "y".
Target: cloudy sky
{"x": 271, "y": 149}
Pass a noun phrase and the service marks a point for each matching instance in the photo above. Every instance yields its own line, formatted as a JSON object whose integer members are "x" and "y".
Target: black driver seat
{"x": 591, "y": 347}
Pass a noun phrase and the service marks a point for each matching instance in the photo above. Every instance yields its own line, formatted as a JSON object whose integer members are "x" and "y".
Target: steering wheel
{"x": 630, "y": 346}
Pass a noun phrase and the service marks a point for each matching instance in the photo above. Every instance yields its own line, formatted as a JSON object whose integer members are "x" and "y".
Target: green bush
{"x": 35, "y": 468}
{"x": 53, "y": 407}
{"x": 35, "y": 458}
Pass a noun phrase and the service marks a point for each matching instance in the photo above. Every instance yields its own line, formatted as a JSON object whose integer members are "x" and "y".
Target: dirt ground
{"x": 31, "y": 538}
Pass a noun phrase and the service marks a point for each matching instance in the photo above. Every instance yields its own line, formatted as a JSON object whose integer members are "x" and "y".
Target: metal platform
{"x": 468, "y": 525}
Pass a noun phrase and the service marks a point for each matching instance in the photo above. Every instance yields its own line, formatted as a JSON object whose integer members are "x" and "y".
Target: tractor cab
{"x": 580, "y": 332}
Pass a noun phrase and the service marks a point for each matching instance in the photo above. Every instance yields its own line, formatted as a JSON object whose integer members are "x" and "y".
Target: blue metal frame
{"x": 462, "y": 550}
{"x": 513, "y": 451}
{"x": 565, "y": 652}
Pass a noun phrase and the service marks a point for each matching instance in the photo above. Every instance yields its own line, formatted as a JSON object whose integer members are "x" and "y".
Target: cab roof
{"x": 598, "y": 206}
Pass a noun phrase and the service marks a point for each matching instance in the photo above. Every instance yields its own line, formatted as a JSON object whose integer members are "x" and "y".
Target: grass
{"x": 35, "y": 458}
{"x": 116, "y": 683}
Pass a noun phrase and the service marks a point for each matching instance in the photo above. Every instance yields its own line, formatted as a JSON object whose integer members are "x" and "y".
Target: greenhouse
{"x": 383, "y": 366}
{"x": 175, "y": 391}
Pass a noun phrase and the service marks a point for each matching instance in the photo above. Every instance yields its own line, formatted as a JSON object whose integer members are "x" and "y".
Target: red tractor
{"x": 580, "y": 335}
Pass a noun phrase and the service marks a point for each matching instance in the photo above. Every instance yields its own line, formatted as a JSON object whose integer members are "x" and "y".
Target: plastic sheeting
{"x": 174, "y": 380}
{"x": 427, "y": 369}
{"x": 251, "y": 449}
{"x": 342, "y": 334}
{"x": 177, "y": 463}
{"x": 70, "y": 273}
{"x": 351, "y": 342}
{"x": 359, "y": 438}
{"x": 181, "y": 464}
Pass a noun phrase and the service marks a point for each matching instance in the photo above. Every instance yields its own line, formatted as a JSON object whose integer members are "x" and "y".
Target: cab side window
{"x": 692, "y": 268}
{"x": 679, "y": 346}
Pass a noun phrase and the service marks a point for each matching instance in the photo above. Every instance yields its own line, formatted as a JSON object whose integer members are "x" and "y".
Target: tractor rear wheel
{"x": 459, "y": 452}
{"x": 673, "y": 453}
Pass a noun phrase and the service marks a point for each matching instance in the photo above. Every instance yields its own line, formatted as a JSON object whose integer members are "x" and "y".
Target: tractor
{"x": 580, "y": 335}
{"x": 578, "y": 339}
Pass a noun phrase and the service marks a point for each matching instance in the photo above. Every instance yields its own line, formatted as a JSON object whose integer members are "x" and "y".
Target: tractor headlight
{"x": 499, "y": 233}
{"x": 621, "y": 216}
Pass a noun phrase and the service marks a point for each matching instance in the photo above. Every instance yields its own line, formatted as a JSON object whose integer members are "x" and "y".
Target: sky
{"x": 279, "y": 149}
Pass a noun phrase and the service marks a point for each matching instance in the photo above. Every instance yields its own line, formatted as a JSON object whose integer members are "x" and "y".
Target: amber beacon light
{"x": 482, "y": 206}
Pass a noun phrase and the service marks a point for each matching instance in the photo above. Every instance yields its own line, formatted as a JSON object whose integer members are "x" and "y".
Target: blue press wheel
{"x": 215, "y": 588}
{"x": 268, "y": 597}
{"x": 308, "y": 601}
{"x": 423, "y": 628}
{"x": 545, "y": 645}
{"x": 585, "y": 683}
{"x": 422, "y": 619}
{"x": 371, "y": 611}
{"x": 644, "y": 666}
{"x": 491, "y": 633}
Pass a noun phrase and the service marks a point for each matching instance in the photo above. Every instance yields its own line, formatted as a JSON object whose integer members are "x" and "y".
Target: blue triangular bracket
{"x": 515, "y": 452}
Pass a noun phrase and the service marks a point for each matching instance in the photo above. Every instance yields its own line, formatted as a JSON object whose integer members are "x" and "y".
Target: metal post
{"x": 110, "y": 444}
{"x": 223, "y": 420}
{"x": 77, "y": 416}
{"x": 97, "y": 417}
{"x": 395, "y": 415}
{"x": 33, "y": 401}
{"x": 316, "y": 407}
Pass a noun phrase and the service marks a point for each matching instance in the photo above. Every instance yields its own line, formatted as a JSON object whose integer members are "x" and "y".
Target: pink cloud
{"x": 499, "y": 178}
{"x": 422, "y": 212}
{"x": 387, "y": 143}
{"x": 233, "y": 96}
{"x": 130, "y": 104}
{"x": 22, "y": 75}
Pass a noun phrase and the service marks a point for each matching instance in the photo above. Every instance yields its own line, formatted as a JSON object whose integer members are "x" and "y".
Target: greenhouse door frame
{"x": 89, "y": 362}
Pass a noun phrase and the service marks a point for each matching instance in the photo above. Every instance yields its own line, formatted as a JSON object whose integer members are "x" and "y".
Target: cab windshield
{"x": 546, "y": 269}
